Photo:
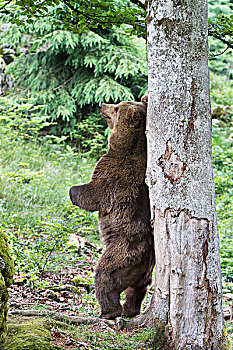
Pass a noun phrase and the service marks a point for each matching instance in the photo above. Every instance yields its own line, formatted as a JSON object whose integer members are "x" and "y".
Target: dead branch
{"x": 57, "y": 316}
{"x": 119, "y": 322}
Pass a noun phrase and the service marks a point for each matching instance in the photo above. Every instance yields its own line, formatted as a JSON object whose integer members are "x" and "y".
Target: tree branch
{"x": 119, "y": 322}
{"x": 66, "y": 82}
{"x": 4, "y": 6}
{"x": 59, "y": 317}
{"x": 230, "y": 45}
{"x": 102, "y": 19}
{"x": 139, "y": 4}
{"x": 83, "y": 13}
{"x": 211, "y": 57}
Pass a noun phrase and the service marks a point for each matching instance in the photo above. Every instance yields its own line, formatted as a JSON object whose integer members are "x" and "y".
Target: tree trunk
{"x": 188, "y": 295}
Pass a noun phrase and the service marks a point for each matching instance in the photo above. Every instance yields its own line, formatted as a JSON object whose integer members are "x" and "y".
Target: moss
{"x": 160, "y": 339}
{"x": 70, "y": 288}
{"x": 29, "y": 335}
{"x": 5, "y": 258}
{"x": 80, "y": 281}
{"x": 225, "y": 342}
{"x": 4, "y": 295}
{"x": 6, "y": 277}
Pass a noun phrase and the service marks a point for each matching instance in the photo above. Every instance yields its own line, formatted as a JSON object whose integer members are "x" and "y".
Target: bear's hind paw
{"x": 111, "y": 315}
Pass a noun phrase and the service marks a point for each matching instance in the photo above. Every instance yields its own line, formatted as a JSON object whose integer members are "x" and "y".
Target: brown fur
{"x": 118, "y": 191}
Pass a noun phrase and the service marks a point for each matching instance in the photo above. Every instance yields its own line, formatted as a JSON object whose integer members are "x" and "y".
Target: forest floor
{"x": 76, "y": 298}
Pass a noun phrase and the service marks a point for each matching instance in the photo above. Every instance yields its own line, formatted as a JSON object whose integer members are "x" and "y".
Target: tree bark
{"x": 187, "y": 303}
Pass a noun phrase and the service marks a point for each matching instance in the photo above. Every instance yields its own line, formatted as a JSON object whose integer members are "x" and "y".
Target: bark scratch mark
{"x": 170, "y": 162}
{"x": 193, "y": 113}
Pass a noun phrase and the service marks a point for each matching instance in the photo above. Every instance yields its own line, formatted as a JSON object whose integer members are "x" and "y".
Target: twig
{"x": 219, "y": 54}
{"x": 103, "y": 19}
{"x": 66, "y": 82}
{"x": 34, "y": 12}
{"x": 230, "y": 45}
{"x": 46, "y": 260}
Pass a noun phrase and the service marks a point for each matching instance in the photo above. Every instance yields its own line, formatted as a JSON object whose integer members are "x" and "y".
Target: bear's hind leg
{"x": 134, "y": 298}
{"x": 108, "y": 297}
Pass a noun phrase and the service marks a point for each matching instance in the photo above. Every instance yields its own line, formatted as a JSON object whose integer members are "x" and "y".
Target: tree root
{"x": 119, "y": 322}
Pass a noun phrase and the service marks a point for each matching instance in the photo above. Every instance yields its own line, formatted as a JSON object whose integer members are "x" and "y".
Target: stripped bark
{"x": 188, "y": 294}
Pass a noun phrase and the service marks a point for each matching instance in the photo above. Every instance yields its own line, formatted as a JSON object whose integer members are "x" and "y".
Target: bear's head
{"x": 126, "y": 120}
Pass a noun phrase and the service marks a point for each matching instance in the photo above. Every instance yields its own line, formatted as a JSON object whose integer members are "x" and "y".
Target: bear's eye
{"x": 116, "y": 109}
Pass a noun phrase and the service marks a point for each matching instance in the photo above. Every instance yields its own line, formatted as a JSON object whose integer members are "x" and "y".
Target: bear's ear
{"x": 132, "y": 117}
{"x": 144, "y": 100}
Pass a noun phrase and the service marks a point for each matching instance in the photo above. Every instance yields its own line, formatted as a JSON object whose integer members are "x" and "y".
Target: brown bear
{"x": 118, "y": 192}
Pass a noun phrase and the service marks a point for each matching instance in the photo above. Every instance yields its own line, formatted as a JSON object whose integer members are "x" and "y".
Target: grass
{"x": 35, "y": 209}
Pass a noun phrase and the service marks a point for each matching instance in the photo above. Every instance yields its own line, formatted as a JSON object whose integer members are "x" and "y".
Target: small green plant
{"x": 21, "y": 120}
{"x": 91, "y": 135}
{"x": 223, "y": 173}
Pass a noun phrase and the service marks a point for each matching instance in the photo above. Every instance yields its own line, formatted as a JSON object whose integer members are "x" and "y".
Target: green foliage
{"x": 221, "y": 38}
{"x": 221, "y": 27}
{"x": 221, "y": 91}
{"x": 22, "y": 119}
{"x": 223, "y": 173}
{"x": 91, "y": 136}
{"x": 70, "y": 75}
{"x": 81, "y": 16}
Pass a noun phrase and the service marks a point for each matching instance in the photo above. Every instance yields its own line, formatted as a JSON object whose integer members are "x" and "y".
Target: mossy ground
{"x": 29, "y": 334}
{"x": 26, "y": 333}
